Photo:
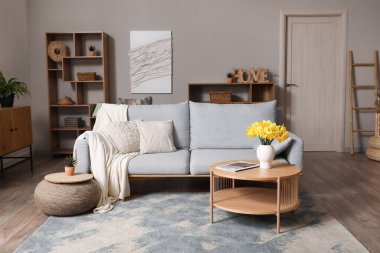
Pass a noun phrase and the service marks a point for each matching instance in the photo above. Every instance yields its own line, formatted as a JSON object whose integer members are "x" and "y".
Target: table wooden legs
{"x": 278, "y": 203}
{"x": 211, "y": 197}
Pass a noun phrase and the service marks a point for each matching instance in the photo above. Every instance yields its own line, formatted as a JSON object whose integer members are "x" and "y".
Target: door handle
{"x": 290, "y": 85}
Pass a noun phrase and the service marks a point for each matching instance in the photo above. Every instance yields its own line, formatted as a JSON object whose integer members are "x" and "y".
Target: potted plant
{"x": 92, "y": 50}
{"x": 9, "y": 89}
{"x": 230, "y": 78}
{"x": 70, "y": 162}
{"x": 266, "y": 131}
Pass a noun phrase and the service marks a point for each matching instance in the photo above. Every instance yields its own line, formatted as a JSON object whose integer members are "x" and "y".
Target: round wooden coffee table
{"x": 253, "y": 200}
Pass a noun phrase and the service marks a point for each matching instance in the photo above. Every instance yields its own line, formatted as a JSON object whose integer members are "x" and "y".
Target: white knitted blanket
{"x": 109, "y": 167}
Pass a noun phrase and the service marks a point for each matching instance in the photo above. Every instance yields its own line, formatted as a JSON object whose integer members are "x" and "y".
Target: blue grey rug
{"x": 179, "y": 222}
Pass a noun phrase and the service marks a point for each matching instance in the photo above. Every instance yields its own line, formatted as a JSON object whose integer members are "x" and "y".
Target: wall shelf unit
{"x": 242, "y": 93}
{"x": 62, "y": 81}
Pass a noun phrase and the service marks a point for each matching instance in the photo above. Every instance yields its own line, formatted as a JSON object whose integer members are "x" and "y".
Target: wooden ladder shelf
{"x": 354, "y": 87}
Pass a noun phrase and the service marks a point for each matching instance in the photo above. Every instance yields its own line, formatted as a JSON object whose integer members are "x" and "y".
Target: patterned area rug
{"x": 179, "y": 222}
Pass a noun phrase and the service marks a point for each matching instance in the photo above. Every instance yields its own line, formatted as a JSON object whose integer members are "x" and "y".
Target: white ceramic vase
{"x": 265, "y": 154}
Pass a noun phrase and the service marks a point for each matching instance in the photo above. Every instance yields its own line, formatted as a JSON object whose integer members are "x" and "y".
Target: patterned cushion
{"x": 124, "y": 135}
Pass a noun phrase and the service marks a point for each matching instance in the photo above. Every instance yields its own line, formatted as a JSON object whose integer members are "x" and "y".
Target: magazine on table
{"x": 238, "y": 166}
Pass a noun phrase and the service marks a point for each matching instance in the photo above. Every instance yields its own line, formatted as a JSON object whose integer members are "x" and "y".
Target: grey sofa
{"x": 203, "y": 134}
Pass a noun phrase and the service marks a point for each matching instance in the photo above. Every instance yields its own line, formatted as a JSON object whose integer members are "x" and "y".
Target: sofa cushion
{"x": 162, "y": 163}
{"x": 201, "y": 159}
{"x": 156, "y": 136}
{"x": 179, "y": 113}
{"x": 124, "y": 135}
{"x": 224, "y": 125}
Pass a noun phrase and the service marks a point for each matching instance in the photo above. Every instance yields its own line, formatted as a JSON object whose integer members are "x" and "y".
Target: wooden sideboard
{"x": 15, "y": 132}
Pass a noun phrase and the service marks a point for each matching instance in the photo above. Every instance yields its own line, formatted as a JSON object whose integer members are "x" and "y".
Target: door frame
{"x": 342, "y": 15}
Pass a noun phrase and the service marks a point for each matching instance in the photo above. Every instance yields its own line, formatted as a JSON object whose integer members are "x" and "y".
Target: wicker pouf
{"x": 66, "y": 199}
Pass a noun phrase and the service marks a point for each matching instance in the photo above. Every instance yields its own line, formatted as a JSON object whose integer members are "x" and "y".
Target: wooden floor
{"x": 348, "y": 187}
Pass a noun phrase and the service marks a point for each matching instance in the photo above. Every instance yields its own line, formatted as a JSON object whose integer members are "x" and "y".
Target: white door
{"x": 313, "y": 80}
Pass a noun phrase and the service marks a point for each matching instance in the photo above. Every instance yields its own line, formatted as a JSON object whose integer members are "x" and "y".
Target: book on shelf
{"x": 97, "y": 107}
{"x": 238, "y": 166}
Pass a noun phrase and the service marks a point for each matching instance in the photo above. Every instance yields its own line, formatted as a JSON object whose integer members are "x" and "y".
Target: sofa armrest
{"x": 82, "y": 154}
{"x": 294, "y": 154}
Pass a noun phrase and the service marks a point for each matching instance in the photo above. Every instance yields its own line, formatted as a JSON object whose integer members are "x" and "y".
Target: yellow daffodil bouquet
{"x": 267, "y": 131}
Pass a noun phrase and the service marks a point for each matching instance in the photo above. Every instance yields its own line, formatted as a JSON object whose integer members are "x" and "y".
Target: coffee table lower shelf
{"x": 283, "y": 197}
{"x": 250, "y": 200}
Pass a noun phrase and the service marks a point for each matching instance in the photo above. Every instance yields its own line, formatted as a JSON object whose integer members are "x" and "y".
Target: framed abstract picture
{"x": 151, "y": 61}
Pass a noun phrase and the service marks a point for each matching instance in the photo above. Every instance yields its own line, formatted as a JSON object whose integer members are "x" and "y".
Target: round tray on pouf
{"x": 62, "y": 178}
{"x": 62, "y": 195}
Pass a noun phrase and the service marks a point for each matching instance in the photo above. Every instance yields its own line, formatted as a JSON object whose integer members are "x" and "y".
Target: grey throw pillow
{"x": 124, "y": 135}
{"x": 279, "y": 147}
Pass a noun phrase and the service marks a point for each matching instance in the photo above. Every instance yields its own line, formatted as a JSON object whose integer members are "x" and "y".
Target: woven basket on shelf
{"x": 86, "y": 76}
{"x": 220, "y": 96}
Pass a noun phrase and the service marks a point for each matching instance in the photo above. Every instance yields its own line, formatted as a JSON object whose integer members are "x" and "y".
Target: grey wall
{"x": 14, "y": 43}
{"x": 209, "y": 38}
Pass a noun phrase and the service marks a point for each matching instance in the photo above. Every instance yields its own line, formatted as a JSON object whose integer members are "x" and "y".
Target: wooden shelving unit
{"x": 62, "y": 81}
{"x": 242, "y": 93}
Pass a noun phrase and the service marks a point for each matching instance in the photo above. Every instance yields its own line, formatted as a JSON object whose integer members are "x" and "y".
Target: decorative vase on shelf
{"x": 265, "y": 154}
{"x": 230, "y": 78}
{"x": 92, "y": 51}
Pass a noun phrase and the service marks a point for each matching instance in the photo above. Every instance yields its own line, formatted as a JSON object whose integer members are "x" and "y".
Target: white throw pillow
{"x": 124, "y": 135}
{"x": 278, "y": 147}
{"x": 156, "y": 137}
